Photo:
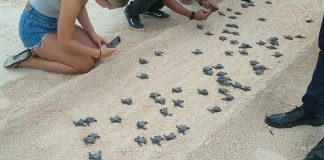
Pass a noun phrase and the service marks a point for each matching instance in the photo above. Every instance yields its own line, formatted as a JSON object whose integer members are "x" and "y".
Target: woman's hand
{"x": 106, "y": 52}
{"x": 206, "y": 4}
{"x": 202, "y": 14}
{"x": 98, "y": 40}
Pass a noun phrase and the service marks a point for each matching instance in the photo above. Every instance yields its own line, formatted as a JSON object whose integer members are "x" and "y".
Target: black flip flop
{"x": 16, "y": 59}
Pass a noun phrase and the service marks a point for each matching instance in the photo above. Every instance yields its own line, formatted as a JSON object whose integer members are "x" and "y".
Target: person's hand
{"x": 206, "y": 4}
{"x": 98, "y": 40}
{"x": 202, "y": 14}
{"x": 106, "y": 52}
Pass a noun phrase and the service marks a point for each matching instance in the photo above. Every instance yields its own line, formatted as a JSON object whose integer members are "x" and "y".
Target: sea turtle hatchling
{"x": 237, "y": 85}
{"x": 261, "y": 19}
{"x": 159, "y": 100}
{"x": 115, "y": 119}
{"x": 178, "y": 103}
{"x": 244, "y": 52}
{"x": 158, "y": 53}
{"x": 91, "y": 138}
{"x": 218, "y": 66}
{"x": 235, "y": 33}
{"x": 197, "y": 52}
{"x": 223, "y": 91}
{"x": 85, "y": 122}
{"x": 203, "y": 92}
{"x": 271, "y": 47}
{"x": 221, "y": 73}
{"x": 141, "y": 125}
{"x": 226, "y": 31}
{"x": 277, "y": 54}
{"x": 222, "y": 38}
{"x": 300, "y": 36}
{"x": 254, "y": 62}
{"x": 209, "y": 33}
{"x": 273, "y": 41}
{"x": 232, "y": 17}
{"x": 127, "y": 101}
{"x": 215, "y": 109}
{"x": 247, "y": 1}
{"x": 165, "y": 112}
{"x": 228, "y": 97}
{"x": 268, "y": 2}
{"x": 143, "y": 76}
{"x": 246, "y": 88}
{"x": 229, "y": 53}
{"x": 245, "y": 5}
{"x": 143, "y": 61}
{"x": 157, "y": 140}
{"x": 223, "y": 80}
{"x": 221, "y": 13}
{"x": 234, "y": 42}
{"x": 183, "y": 129}
{"x": 238, "y": 13}
{"x": 208, "y": 70}
{"x": 95, "y": 156}
{"x": 140, "y": 140}
{"x": 245, "y": 46}
{"x": 229, "y": 9}
{"x": 200, "y": 26}
{"x": 154, "y": 95}
{"x": 170, "y": 137}
{"x": 261, "y": 43}
{"x": 232, "y": 25}
{"x": 289, "y": 37}
{"x": 309, "y": 21}
{"x": 177, "y": 90}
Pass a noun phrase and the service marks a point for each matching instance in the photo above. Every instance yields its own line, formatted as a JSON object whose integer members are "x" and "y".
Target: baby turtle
{"x": 261, "y": 19}
{"x": 245, "y": 46}
{"x": 254, "y": 62}
{"x": 143, "y": 61}
{"x": 170, "y": 137}
{"x": 288, "y": 37}
{"x": 259, "y": 69}
{"x": 208, "y": 70}
{"x": 244, "y": 52}
{"x": 81, "y": 122}
{"x": 237, "y": 85}
{"x": 238, "y": 13}
{"x": 300, "y": 37}
{"x": 234, "y": 42}
{"x": 91, "y": 138}
{"x": 246, "y": 88}
{"x": 235, "y": 33}
{"x": 221, "y": 13}
{"x": 200, "y": 26}
{"x": 143, "y": 76}
{"x": 261, "y": 43}
{"x": 277, "y": 54}
{"x": 268, "y": 2}
{"x": 215, "y": 109}
{"x": 226, "y": 31}
{"x": 203, "y": 92}
{"x": 229, "y": 9}
{"x": 232, "y": 17}
{"x": 309, "y": 21}
{"x": 160, "y": 100}
{"x": 229, "y": 53}
{"x": 274, "y": 41}
{"x": 221, "y": 73}
{"x": 115, "y": 119}
{"x": 183, "y": 129}
{"x": 223, "y": 91}
{"x": 247, "y": 1}
{"x": 95, "y": 156}
{"x": 222, "y": 38}
{"x": 177, "y": 90}
{"x": 157, "y": 140}
{"x": 197, "y": 52}
{"x": 228, "y": 97}
{"x": 164, "y": 112}
{"x": 218, "y": 66}
{"x": 141, "y": 125}
{"x": 232, "y": 25}
{"x": 127, "y": 101}
{"x": 158, "y": 53}
{"x": 209, "y": 33}
{"x": 178, "y": 103}
{"x": 271, "y": 47}
{"x": 155, "y": 95}
{"x": 245, "y": 5}
{"x": 140, "y": 140}
{"x": 223, "y": 80}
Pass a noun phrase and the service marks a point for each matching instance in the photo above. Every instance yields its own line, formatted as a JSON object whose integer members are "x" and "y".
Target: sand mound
{"x": 36, "y": 121}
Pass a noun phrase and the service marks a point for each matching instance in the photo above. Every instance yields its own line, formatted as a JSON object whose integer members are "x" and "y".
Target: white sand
{"x": 37, "y": 108}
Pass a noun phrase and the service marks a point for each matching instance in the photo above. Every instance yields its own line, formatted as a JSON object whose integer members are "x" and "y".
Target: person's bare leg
{"x": 54, "y": 59}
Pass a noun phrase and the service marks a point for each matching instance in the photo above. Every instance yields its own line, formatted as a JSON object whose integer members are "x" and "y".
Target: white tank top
{"x": 49, "y": 8}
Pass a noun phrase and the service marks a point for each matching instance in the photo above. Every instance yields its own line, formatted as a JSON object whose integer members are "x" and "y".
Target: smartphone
{"x": 114, "y": 42}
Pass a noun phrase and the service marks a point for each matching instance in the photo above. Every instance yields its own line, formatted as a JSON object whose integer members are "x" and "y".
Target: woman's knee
{"x": 84, "y": 66}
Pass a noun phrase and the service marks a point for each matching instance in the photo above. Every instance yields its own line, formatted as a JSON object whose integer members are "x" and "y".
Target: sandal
{"x": 13, "y": 61}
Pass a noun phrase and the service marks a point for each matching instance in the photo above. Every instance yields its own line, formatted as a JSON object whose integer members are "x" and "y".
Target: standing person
{"x": 312, "y": 110}
{"x": 54, "y": 42}
{"x": 152, "y": 8}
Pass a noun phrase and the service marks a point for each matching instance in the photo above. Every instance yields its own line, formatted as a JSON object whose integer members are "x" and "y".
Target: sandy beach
{"x": 37, "y": 108}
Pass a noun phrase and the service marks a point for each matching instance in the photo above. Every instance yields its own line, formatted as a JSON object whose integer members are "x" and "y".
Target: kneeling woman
{"x": 54, "y": 42}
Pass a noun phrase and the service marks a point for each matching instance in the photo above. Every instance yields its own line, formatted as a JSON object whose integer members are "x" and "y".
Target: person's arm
{"x": 178, "y": 8}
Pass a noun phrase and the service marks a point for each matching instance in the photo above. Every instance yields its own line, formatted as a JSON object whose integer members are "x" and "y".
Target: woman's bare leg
{"x": 54, "y": 59}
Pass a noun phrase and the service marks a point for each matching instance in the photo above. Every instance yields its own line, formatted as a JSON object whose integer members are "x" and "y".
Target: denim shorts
{"x": 33, "y": 27}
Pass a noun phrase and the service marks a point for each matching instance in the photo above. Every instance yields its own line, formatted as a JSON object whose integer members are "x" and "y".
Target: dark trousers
{"x": 137, "y": 7}
{"x": 314, "y": 98}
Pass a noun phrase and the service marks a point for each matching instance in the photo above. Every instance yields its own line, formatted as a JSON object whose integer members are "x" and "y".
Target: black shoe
{"x": 317, "y": 153}
{"x": 134, "y": 22}
{"x": 296, "y": 117}
{"x": 156, "y": 14}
